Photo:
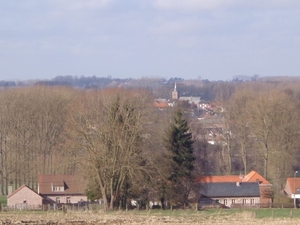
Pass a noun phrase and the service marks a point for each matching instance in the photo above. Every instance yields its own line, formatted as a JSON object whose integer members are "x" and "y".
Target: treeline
{"x": 32, "y": 124}
{"x": 159, "y": 87}
{"x": 114, "y": 138}
{"x": 78, "y": 82}
{"x": 261, "y": 130}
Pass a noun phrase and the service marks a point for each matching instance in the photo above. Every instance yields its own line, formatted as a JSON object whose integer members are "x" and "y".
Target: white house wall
{"x": 243, "y": 201}
{"x": 73, "y": 199}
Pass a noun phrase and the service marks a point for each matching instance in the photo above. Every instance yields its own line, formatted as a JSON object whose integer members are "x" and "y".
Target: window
{"x": 244, "y": 201}
{"x": 252, "y": 201}
{"x": 233, "y": 201}
{"x": 225, "y": 201}
{"x": 68, "y": 200}
{"x": 57, "y": 199}
{"x": 58, "y": 188}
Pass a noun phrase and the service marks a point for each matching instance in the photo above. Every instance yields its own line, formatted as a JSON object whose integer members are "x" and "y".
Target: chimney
{"x": 9, "y": 190}
{"x": 241, "y": 176}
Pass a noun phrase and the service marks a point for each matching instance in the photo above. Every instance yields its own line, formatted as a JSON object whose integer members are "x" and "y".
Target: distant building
{"x": 61, "y": 188}
{"x": 230, "y": 194}
{"x": 191, "y": 100}
{"x": 161, "y": 103}
{"x": 175, "y": 95}
{"x": 195, "y": 100}
{"x": 52, "y": 189}
{"x": 222, "y": 188}
{"x": 24, "y": 198}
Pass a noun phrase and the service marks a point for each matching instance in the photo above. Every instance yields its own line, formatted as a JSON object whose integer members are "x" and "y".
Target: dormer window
{"x": 59, "y": 187}
{"x": 56, "y": 188}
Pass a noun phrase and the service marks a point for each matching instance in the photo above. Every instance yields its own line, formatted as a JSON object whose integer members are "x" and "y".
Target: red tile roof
{"x": 253, "y": 176}
{"x": 293, "y": 183}
{"x": 161, "y": 103}
{"x": 217, "y": 179}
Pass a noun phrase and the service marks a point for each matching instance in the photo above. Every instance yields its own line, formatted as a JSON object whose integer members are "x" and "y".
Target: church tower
{"x": 175, "y": 93}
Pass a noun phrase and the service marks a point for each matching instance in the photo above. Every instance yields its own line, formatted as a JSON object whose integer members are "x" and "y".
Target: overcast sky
{"x": 211, "y": 39}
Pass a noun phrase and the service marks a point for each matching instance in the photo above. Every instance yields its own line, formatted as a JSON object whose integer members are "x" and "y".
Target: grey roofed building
{"x": 230, "y": 189}
{"x": 191, "y": 99}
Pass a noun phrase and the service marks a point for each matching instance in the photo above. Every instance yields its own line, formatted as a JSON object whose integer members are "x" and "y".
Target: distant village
{"x": 200, "y": 111}
{"x": 224, "y": 182}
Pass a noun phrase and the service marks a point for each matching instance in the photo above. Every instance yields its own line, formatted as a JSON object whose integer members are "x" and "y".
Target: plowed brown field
{"x": 119, "y": 218}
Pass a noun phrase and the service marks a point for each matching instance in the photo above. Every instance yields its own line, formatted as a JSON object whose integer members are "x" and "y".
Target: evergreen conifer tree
{"x": 179, "y": 145}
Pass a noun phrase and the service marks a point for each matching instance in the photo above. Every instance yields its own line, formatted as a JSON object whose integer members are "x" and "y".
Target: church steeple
{"x": 175, "y": 92}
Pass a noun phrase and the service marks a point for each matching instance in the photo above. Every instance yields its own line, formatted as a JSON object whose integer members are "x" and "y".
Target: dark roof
{"x": 72, "y": 184}
{"x": 230, "y": 189}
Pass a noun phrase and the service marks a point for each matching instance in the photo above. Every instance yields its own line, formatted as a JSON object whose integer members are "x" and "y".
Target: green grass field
{"x": 257, "y": 213}
{"x": 267, "y": 213}
{"x": 3, "y": 199}
{"x": 262, "y": 213}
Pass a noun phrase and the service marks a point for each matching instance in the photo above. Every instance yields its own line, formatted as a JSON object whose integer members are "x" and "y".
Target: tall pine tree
{"x": 179, "y": 145}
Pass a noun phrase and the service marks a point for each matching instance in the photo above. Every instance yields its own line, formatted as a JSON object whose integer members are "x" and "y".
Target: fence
{"x": 95, "y": 206}
{"x": 247, "y": 206}
{"x": 81, "y": 206}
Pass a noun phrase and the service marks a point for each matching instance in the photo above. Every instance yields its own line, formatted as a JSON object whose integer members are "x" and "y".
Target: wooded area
{"x": 118, "y": 141}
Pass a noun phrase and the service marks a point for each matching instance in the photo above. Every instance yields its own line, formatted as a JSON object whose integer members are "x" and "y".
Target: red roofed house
{"x": 24, "y": 198}
{"x": 264, "y": 187}
{"x": 61, "y": 189}
{"x": 161, "y": 103}
{"x": 253, "y": 176}
{"x": 292, "y": 188}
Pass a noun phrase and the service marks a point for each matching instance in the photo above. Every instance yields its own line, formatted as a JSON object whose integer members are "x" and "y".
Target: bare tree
{"x": 106, "y": 128}
{"x": 264, "y": 122}
{"x": 238, "y": 123}
{"x": 32, "y": 126}
{"x": 273, "y": 122}
{"x": 50, "y": 110}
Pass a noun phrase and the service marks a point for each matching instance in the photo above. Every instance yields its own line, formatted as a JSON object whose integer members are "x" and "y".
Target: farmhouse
{"x": 252, "y": 177}
{"x": 231, "y": 194}
{"x": 52, "y": 189}
{"x": 61, "y": 189}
